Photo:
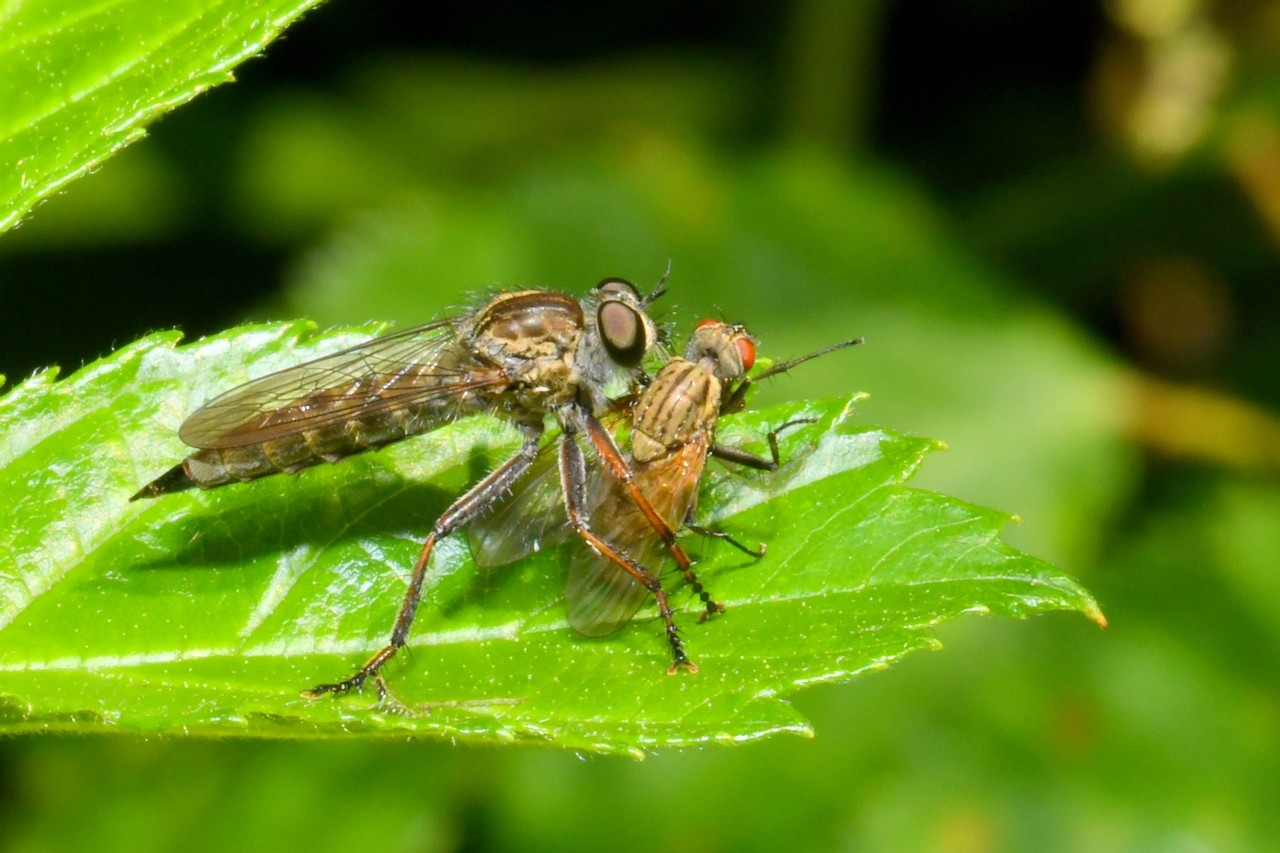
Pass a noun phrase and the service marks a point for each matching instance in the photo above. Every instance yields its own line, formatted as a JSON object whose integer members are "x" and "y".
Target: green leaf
{"x": 208, "y": 612}
{"x": 82, "y": 79}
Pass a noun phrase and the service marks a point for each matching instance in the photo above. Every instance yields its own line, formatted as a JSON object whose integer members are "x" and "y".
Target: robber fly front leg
{"x": 607, "y": 449}
{"x": 573, "y": 477}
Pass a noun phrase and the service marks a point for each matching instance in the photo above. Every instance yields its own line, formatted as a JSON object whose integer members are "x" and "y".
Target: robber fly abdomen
{"x": 514, "y": 357}
{"x": 329, "y": 442}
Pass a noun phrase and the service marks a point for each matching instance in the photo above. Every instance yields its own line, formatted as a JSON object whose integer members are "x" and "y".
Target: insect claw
{"x": 313, "y": 694}
{"x": 338, "y": 689}
{"x": 683, "y": 664}
{"x": 714, "y": 608}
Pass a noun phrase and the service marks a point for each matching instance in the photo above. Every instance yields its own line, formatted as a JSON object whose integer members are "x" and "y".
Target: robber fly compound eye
{"x": 616, "y": 286}
{"x": 623, "y": 333}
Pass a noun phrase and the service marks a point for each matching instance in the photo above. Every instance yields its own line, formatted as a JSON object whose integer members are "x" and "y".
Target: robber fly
{"x": 673, "y": 426}
{"x": 520, "y": 357}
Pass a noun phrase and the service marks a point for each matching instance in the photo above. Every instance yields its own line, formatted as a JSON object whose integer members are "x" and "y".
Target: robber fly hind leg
{"x": 474, "y": 502}
{"x": 573, "y": 476}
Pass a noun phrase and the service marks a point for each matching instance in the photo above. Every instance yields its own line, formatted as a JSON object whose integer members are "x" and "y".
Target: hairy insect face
{"x": 618, "y": 335}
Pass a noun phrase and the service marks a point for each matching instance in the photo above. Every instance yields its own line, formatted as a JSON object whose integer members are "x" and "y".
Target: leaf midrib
{"x": 512, "y": 630}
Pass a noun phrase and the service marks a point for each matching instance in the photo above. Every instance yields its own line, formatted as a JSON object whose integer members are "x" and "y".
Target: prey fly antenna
{"x": 737, "y": 399}
{"x": 798, "y": 360}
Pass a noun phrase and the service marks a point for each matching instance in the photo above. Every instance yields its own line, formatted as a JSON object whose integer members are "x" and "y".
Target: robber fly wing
{"x": 532, "y": 517}
{"x": 527, "y": 520}
{"x": 601, "y": 596}
{"x": 413, "y": 365}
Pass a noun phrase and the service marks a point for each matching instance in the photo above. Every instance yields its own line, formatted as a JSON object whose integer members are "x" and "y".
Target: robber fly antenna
{"x": 659, "y": 289}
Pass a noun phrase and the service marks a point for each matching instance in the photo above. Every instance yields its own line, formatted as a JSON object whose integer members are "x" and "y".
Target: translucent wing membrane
{"x": 412, "y": 366}
{"x": 527, "y": 520}
{"x": 600, "y": 596}
{"x": 532, "y": 517}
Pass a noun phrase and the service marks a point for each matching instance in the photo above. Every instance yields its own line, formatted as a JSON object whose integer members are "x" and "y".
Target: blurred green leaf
{"x": 83, "y": 79}
{"x": 309, "y": 159}
{"x": 208, "y": 612}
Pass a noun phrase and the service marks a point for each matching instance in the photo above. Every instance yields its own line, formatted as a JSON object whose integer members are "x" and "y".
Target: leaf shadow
{"x": 238, "y": 526}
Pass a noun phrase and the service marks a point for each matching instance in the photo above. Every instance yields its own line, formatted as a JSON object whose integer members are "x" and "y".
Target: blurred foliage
{"x": 1062, "y": 252}
{"x": 84, "y": 79}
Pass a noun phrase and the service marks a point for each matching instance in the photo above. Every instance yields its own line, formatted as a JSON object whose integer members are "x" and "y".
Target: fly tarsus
{"x": 372, "y": 669}
{"x": 757, "y": 552}
{"x": 356, "y": 682}
{"x": 710, "y": 606}
{"x": 680, "y": 661}
{"x": 338, "y": 689}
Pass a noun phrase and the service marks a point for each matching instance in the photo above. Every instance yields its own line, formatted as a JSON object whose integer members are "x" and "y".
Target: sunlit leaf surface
{"x": 81, "y": 79}
{"x": 209, "y": 612}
